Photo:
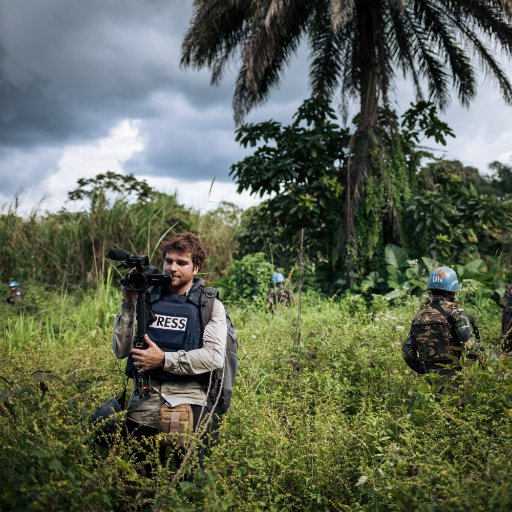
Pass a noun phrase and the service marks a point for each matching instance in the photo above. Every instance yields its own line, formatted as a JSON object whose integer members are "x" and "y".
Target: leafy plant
{"x": 481, "y": 282}
{"x": 451, "y": 221}
{"x": 301, "y": 166}
{"x": 247, "y": 281}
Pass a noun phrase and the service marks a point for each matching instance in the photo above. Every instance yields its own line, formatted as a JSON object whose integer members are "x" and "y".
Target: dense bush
{"x": 68, "y": 248}
{"x": 449, "y": 218}
{"x": 325, "y": 416}
{"x": 482, "y": 282}
{"x": 247, "y": 281}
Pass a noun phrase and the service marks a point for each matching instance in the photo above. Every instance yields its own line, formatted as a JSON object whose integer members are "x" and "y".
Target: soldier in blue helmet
{"x": 441, "y": 330}
{"x": 16, "y": 296}
{"x": 279, "y": 293}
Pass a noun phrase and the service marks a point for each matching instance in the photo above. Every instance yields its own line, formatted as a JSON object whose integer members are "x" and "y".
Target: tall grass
{"x": 69, "y": 248}
{"x": 334, "y": 422}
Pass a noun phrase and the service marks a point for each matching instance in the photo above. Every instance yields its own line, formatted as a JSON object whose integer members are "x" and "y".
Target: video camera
{"x": 140, "y": 280}
{"x": 145, "y": 275}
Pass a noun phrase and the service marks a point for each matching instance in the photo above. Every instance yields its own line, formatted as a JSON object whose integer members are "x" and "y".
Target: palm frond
{"x": 401, "y": 41}
{"x": 215, "y": 31}
{"x": 440, "y": 32}
{"x": 341, "y": 12}
{"x": 265, "y": 54}
{"x": 489, "y": 63}
{"x": 326, "y": 47}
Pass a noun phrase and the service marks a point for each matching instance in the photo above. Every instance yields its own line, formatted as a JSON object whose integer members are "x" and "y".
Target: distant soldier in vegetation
{"x": 506, "y": 319}
{"x": 441, "y": 330}
{"x": 16, "y": 296}
{"x": 279, "y": 294}
{"x": 181, "y": 353}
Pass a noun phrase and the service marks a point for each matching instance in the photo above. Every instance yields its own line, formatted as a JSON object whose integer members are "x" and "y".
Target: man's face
{"x": 180, "y": 267}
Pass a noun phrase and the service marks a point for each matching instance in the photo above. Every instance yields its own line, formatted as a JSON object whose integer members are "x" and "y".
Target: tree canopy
{"x": 357, "y": 48}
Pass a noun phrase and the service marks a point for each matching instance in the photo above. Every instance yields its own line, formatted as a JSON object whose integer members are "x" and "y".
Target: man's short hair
{"x": 183, "y": 243}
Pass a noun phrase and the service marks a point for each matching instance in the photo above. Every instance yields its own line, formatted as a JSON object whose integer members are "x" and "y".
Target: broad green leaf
{"x": 395, "y": 256}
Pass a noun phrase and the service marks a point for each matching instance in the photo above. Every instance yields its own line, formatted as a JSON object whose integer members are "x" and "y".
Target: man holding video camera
{"x": 179, "y": 353}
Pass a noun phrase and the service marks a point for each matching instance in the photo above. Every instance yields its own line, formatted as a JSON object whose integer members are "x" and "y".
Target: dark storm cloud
{"x": 72, "y": 70}
{"x": 20, "y": 170}
{"x": 68, "y": 69}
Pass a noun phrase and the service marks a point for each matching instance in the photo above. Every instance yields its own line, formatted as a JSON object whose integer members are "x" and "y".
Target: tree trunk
{"x": 359, "y": 161}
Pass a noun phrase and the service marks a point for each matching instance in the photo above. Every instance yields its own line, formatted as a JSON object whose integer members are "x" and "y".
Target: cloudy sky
{"x": 93, "y": 86}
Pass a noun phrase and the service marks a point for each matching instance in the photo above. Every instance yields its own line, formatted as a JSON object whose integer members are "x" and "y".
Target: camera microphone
{"x": 117, "y": 254}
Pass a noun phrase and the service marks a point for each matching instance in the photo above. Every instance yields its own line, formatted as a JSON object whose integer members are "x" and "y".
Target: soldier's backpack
{"x": 434, "y": 332}
{"x": 223, "y": 379}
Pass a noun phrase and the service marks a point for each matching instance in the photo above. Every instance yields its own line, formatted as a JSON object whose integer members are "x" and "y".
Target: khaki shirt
{"x": 205, "y": 359}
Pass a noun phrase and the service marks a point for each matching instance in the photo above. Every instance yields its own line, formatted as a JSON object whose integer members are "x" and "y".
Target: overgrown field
{"x": 326, "y": 416}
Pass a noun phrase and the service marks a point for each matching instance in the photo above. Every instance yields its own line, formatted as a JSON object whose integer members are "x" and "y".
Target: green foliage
{"x": 482, "y": 282}
{"x": 335, "y": 422}
{"x": 217, "y": 230}
{"x": 96, "y": 189}
{"x": 451, "y": 221}
{"x": 309, "y": 151}
{"x": 405, "y": 277}
{"x": 402, "y": 277}
{"x": 67, "y": 249}
{"x": 499, "y": 182}
{"x": 247, "y": 281}
{"x": 421, "y": 120}
{"x": 302, "y": 166}
{"x": 393, "y": 180}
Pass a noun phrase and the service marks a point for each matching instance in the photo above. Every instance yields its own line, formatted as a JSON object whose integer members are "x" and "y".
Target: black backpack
{"x": 223, "y": 379}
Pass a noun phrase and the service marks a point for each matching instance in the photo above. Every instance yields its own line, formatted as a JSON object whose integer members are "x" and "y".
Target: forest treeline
{"x": 422, "y": 211}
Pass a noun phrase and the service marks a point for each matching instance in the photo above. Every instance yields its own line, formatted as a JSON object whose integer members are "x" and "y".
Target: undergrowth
{"x": 325, "y": 416}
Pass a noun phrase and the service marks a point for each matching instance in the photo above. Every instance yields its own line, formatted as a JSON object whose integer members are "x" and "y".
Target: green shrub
{"x": 330, "y": 420}
{"x": 247, "y": 281}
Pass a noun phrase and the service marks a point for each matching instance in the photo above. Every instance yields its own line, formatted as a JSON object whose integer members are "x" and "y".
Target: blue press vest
{"x": 177, "y": 327}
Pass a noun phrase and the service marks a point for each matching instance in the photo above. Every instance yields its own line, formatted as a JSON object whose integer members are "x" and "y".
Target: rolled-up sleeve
{"x": 210, "y": 356}
{"x": 124, "y": 331}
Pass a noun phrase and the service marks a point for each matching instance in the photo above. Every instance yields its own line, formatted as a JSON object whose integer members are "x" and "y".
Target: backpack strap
{"x": 450, "y": 319}
{"x": 208, "y": 296}
{"x": 441, "y": 310}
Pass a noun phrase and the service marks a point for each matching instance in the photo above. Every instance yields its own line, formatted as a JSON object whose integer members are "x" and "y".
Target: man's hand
{"x": 148, "y": 359}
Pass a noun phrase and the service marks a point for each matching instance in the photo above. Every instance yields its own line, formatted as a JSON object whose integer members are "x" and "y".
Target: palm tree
{"x": 356, "y": 47}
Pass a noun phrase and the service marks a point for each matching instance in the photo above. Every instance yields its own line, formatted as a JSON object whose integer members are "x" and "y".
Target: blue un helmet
{"x": 443, "y": 278}
{"x": 277, "y": 278}
{"x": 13, "y": 283}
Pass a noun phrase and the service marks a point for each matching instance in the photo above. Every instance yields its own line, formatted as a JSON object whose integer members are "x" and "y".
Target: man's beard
{"x": 176, "y": 281}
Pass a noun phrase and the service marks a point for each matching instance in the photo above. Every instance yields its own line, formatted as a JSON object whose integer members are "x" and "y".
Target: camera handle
{"x": 142, "y": 379}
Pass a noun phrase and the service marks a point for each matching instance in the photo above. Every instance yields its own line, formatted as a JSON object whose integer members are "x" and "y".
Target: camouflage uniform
{"x": 435, "y": 341}
{"x": 279, "y": 295}
{"x": 506, "y": 319}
